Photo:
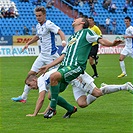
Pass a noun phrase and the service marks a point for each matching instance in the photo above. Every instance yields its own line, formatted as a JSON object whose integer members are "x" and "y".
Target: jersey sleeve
{"x": 52, "y": 27}
{"x": 37, "y": 34}
{"x": 92, "y": 36}
{"x": 42, "y": 84}
{"x": 131, "y": 30}
{"x": 64, "y": 50}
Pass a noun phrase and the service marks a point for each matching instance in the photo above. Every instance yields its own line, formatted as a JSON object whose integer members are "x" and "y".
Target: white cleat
{"x": 129, "y": 87}
{"x": 103, "y": 84}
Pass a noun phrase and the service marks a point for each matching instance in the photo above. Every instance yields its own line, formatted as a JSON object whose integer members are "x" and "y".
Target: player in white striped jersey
{"x": 46, "y": 31}
{"x": 84, "y": 90}
{"x": 128, "y": 49}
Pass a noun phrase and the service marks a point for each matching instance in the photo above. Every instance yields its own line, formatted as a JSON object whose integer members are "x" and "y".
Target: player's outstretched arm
{"x": 108, "y": 43}
{"x": 44, "y": 69}
{"x": 34, "y": 39}
{"x": 62, "y": 36}
{"x": 39, "y": 103}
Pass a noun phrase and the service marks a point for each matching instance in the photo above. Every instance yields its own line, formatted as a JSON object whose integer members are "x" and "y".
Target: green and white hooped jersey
{"x": 78, "y": 48}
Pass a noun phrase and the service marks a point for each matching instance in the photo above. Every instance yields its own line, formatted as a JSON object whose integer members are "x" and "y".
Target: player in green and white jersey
{"x": 74, "y": 62}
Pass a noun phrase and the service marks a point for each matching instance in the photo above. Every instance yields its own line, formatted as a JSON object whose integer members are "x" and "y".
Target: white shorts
{"x": 42, "y": 60}
{"x": 127, "y": 52}
{"x": 78, "y": 92}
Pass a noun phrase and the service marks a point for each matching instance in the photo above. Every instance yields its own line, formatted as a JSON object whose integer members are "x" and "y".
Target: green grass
{"x": 109, "y": 114}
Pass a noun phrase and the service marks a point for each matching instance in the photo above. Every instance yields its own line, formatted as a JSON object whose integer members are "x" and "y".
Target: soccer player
{"x": 46, "y": 31}
{"x": 128, "y": 49}
{"x": 93, "y": 57}
{"x": 74, "y": 62}
{"x": 84, "y": 90}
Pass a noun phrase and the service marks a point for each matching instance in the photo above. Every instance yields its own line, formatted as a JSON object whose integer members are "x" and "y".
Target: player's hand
{"x": 43, "y": 69}
{"x": 117, "y": 42}
{"x": 31, "y": 115}
{"x": 64, "y": 44}
{"x": 25, "y": 47}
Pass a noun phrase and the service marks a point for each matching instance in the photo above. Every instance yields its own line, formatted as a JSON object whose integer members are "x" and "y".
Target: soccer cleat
{"x": 103, "y": 84}
{"x": 50, "y": 113}
{"x": 18, "y": 99}
{"x": 95, "y": 76}
{"x": 129, "y": 87}
{"x": 96, "y": 59}
{"x": 68, "y": 114}
{"x": 122, "y": 75}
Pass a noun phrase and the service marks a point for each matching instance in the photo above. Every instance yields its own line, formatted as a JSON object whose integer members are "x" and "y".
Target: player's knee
{"x": 97, "y": 93}
{"x": 82, "y": 103}
{"x": 54, "y": 78}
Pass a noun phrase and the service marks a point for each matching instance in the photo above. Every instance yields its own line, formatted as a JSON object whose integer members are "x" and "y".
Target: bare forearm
{"x": 62, "y": 35}
{"x": 56, "y": 61}
{"x": 38, "y": 106}
{"x": 105, "y": 42}
{"x": 34, "y": 39}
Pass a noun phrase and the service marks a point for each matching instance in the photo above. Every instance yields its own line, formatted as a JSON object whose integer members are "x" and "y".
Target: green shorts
{"x": 70, "y": 72}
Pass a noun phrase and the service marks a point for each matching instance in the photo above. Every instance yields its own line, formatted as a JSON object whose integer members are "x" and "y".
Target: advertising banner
{"x": 22, "y": 40}
{"x": 6, "y": 40}
{"x": 17, "y": 51}
{"x": 110, "y": 50}
{"x": 12, "y": 46}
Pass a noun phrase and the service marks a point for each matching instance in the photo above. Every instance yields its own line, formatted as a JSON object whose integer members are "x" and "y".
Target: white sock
{"x": 122, "y": 65}
{"x": 113, "y": 88}
{"x": 25, "y": 92}
{"x": 90, "y": 99}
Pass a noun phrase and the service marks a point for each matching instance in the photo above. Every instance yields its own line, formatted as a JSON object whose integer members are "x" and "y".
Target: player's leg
{"x": 64, "y": 75}
{"x": 82, "y": 98}
{"x": 107, "y": 89}
{"x": 92, "y": 57}
{"x": 63, "y": 103}
{"x": 123, "y": 55}
{"x": 70, "y": 109}
{"x": 39, "y": 62}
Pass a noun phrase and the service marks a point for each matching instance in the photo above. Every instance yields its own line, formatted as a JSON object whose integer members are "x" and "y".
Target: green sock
{"x": 54, "y": 96}
{"x": 63, "y": 103}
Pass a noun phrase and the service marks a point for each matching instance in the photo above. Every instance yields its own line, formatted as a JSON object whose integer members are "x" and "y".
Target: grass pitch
{"x": 108, "y": 114}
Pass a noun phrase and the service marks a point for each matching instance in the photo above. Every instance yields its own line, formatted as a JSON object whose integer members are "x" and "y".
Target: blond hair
{"x": 40, "y": 9}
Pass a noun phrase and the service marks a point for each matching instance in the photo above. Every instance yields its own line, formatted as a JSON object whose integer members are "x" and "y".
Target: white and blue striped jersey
{"x": 46, "y": 34}
{"x": 44, "y": 82}
{"x": 129, "y": 41}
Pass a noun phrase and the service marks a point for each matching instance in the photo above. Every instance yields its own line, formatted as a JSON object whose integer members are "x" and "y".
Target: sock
{"x": 63, "y": 103}
{"x": 113, "y": 88}
{"x": 25, "y": 92}
{"x": 54, "y": 96}
{"x": 90, "y": 99}
{"x": 94, "y": 69}
{"x": 122, "y": 65}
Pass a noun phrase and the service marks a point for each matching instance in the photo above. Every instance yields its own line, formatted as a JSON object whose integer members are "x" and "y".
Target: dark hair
{"x": 128, "y": 18}
{"x": 85, "y": 16}
{"x": 91, "y": 18}
{"x": 40, "y": 9}
{"x": 86, "y": 24}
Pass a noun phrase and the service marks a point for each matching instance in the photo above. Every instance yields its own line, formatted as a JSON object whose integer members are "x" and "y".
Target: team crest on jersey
{"x": 69, "y": 68}
{"x": 72, "y": 41}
